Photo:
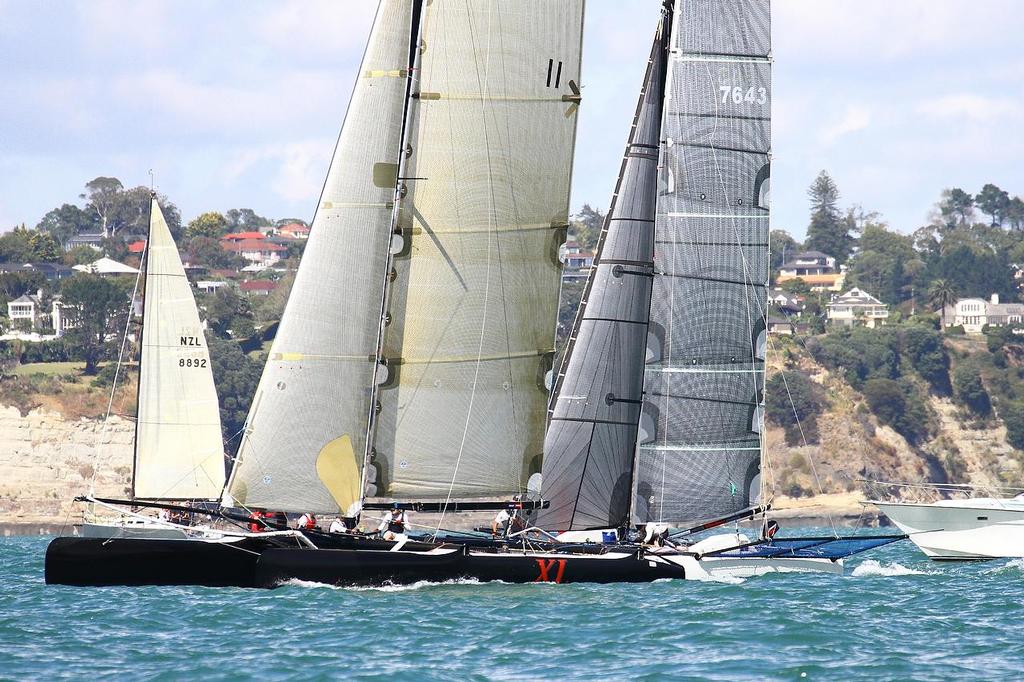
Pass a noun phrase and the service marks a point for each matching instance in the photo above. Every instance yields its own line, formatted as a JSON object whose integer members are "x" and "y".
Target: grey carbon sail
{"x": 473, "y": 303}
{"x": 699, "y": 444}
{"x": 305, "y": 435}
{"x": 595, "y": 409}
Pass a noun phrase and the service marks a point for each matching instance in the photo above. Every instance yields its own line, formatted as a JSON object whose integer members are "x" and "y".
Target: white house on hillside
{"x": 857, "y": 307}
{"x": 974, "y": 313}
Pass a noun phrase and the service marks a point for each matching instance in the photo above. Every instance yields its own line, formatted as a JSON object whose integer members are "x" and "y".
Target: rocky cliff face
{"x": 46, "y": 460}
{"x": 854, "y": 446}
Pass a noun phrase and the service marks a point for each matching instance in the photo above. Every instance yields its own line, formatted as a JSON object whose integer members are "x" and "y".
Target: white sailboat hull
{"x": 962, "y": 530}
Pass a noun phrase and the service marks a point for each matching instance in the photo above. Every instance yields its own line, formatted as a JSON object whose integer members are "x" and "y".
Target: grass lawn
{"x": 51, "y": 368}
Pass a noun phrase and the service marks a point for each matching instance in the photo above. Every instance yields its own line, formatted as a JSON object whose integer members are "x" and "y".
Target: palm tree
{"x": 942, "y": 293}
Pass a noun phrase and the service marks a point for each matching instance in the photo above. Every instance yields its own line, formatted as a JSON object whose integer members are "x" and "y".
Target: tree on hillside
{"x": 80, "y": 255}
{"x": 970, "y": 391}
{"x": 245, "y": 219}
{"x": 923, "y": 346}
{"x": 783, "y": 247}
{"x": 587, "y": 225}
{"x": 209, "y": 252}
{"x": 67, "y": 221}
{"x": 210, "y": 224}
{"x": 236, "y": 376}
{"x": 941, "y": 295}
{"x": 885, "y": 264}
{"x": 96, "y": 309}
{"x": 993, "y": 202}
{"x": 1015, "y": 213}
{"x": 794, "y": 402}
{"x": 1013, "y": 416}
{"x": 16, "y": 245}
{"x": 126, "y": 211}
{"x": 828, "y": 232}
{"x": 45, "y": 248}
{"x": 103, "y": 196}
{"x": 897, "y": 404}
{"x": 956, "y": 207}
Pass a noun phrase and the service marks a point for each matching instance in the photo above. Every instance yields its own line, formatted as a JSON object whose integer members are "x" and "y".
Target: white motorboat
{"x": 974, "y": 529}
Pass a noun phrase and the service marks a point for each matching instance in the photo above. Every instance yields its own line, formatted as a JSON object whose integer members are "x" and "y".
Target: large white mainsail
{"x": 305, "y": 435}
{"x": 472, "y": 309}
{"x": 179, "y": 452}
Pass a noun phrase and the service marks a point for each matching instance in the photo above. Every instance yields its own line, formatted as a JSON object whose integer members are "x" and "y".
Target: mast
{"x": 699, "y": 445}
{"x": 380, "y": 369}
{"x": 304, "y": 441}
{"x": 473, "y": 301}
{"x": 595, "y": 405}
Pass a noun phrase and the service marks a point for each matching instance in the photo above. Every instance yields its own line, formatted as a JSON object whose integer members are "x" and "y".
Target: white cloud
{"x": 855, "y": 119}
{"x": 117, "y": 26}
{"x": 319, "y": 26}
{"x": 297, "y": 168}
{"x": 973, "y": 107}
{"x": 882, "y": 30}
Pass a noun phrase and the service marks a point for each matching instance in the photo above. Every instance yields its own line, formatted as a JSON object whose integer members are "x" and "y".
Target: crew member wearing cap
{"x": 392, "y": 526}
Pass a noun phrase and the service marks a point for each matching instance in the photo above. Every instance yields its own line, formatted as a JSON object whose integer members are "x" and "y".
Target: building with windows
{"x": 857, "y": 307}
{"x": 815, "y": 268}
{"x": 973, "y": 314}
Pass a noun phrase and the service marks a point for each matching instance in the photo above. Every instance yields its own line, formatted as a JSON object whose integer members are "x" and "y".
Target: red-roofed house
{"x": 239, "y": 236}
{"x": 294, "y": 231}
{"x": 258, "y": 251}
{"x": 137, "y": 247}
{"x": 258, "y": 287}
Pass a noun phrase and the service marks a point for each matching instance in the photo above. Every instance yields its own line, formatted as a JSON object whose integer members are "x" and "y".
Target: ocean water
{"x": 893, "y": 616}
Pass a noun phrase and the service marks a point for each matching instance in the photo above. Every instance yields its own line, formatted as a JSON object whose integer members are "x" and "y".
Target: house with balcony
{"x": 815, "y": 268}
{"x": 857, "y": 308}
{"x": 973, "y": 314}
{"x": 576, "y": 260}
{"x": 255, "y": 248}
{"x": 32, "y": 316}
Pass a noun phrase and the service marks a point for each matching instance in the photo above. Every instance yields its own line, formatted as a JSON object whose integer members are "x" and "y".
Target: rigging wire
{"x": 117, "y": 371}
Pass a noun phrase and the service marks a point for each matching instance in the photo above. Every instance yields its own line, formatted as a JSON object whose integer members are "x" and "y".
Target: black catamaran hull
{"x": 362, "y": 567}
{"x": 135, "y": 561}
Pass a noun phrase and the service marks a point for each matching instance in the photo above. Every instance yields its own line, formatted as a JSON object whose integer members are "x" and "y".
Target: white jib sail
{"x": 179, "y": 453}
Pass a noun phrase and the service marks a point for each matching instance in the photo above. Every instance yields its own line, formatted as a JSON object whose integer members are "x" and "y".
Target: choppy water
{"x": 895, "y": 615}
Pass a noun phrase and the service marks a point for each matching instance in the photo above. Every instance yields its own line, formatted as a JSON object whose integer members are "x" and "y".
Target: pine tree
{"x": 828, "y": 232}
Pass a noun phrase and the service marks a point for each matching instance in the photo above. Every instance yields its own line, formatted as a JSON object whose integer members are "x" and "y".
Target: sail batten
{"x": 473, "y": 301}
{"x": 305, "y": 435}
{"x": 179, "y": 453}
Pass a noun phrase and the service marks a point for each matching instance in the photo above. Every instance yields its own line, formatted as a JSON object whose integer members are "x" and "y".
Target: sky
{"x": 238, "y": 103}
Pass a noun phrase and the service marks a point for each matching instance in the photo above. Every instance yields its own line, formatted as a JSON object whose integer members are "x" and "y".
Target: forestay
{"x": 305, "y": 435}
{"x": 699, "y": 439}
{"x": 473, "y": 303}
{"x": 179, "y": 453}
{"x": 588, "y": 450}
